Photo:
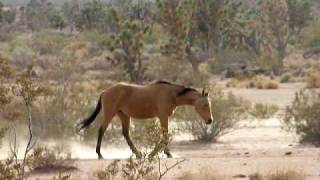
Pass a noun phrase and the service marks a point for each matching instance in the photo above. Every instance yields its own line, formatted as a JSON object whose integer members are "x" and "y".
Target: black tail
{"x": 86, "y": 122}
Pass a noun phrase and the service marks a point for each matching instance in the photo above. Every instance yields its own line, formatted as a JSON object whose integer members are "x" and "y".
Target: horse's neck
{"x": 187, "y": 99}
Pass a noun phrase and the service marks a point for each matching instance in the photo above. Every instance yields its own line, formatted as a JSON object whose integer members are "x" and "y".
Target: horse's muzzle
{"x": 209, "y": 121}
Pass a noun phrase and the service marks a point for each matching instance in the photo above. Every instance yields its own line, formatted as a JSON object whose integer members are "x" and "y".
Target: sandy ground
{"x": 255, "y": 146}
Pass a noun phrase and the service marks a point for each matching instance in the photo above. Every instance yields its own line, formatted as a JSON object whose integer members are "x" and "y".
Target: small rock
{"x": 246, "y": 153}
{"x": 239, "y": 176}
{"x": 288, "y": 153}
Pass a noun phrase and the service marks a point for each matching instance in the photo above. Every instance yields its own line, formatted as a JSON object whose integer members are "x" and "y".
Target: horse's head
{"x": 203, "y": 107}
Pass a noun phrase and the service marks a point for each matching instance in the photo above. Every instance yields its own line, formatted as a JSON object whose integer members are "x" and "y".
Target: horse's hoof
{"x": 100, "y": 157}
{"x": 169, "y": 156}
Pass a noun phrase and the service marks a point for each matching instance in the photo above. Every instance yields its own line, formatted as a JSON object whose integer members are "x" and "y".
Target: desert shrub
{"x": 286, "y": 175}
{"x": 313, "y": 80}
{"x": 110, "y": 172}
{"x": 311, "y": 34}
{"x": 263, "y": 111}
{"x": 255, "y": 176}
{"x": 303, "y": 115}
{"x": 61, "y": 176}
{"x": 133, "y": 169}
{"x": 258, "y": 82}
{"x": 43, "y": 159}
{"x": 285, "y": 78}
{"x": 227, "y": 110}
{"x": 268, "y": 62}
{"x": 229, "y": 56}
{"x": 203, "y": 175}
{"x": 262, "y": 82}
{"x": 9, "y": 170}
{"x": 48, "y": 42}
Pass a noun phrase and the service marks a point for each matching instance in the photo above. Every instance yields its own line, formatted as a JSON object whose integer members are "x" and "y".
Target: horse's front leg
{"x": 166, "y": 138}
{"x": 164, "y": 141}
{"x": 125, "y": 121}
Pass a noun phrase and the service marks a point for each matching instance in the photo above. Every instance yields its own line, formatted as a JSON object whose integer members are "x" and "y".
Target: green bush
{"x": 303, "y": 116}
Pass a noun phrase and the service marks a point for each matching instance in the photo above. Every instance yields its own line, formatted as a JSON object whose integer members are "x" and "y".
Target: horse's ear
{"x": 204, "y": 93}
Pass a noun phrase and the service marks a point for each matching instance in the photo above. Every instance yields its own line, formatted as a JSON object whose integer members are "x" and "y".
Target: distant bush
{"x": 311, "y": 34}
{"x": 303, "y": 116}
{"x": 279, "y": 175}
{"x": 227, "y": 110}
{"x": 285, "y": 78}
{"x": 178, "y": 71}
{"x": 48, "y": 42}
{"x": 258, "y": 82}
{"x": 313, "y": 80}
{"x": 227, "y": 57}
{"x": 203, "y": 175}
{"x": 263, "y": 111}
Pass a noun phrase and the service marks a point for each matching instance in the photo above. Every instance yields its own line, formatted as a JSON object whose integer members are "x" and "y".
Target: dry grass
{"x": 263, "y": 111}
{"x": 203, "y": 175}
{"x": 258, "y": 82}
{"x": 279, "y": 175}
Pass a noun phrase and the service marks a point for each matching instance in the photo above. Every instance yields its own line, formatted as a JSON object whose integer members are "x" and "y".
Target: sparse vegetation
{"x": 279, "y": 175}
{"x": 263, "y": 111}
{"x": 203, "y": 174}
{"x": 303, "y": 115}
{"x": 258, "y": 82}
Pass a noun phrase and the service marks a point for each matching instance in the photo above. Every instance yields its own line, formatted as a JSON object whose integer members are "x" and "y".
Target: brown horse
{"x": 158, "y": 99}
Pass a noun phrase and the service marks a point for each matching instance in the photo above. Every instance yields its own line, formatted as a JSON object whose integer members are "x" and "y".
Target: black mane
{"x": 184, "y": 90}
{"x": 162, "y": 82}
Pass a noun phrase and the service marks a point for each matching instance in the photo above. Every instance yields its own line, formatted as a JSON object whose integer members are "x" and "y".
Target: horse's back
{"x": 139, "y": 101}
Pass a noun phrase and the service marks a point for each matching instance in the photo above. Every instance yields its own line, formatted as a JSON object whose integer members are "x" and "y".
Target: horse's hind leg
{"x": 104, "y": 125}
{"x": 125, "y": 121}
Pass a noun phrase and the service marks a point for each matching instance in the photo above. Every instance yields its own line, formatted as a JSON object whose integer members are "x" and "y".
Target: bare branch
{"x": 167, "y": 169}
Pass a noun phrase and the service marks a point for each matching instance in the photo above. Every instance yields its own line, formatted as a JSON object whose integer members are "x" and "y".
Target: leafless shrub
{"x": 43, "y": 159}
{"x": 136, "y": 169}
{"x": 110, "y": 172}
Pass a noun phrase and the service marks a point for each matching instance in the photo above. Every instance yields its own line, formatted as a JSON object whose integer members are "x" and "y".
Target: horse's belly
{"x": 140, "y": 112}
